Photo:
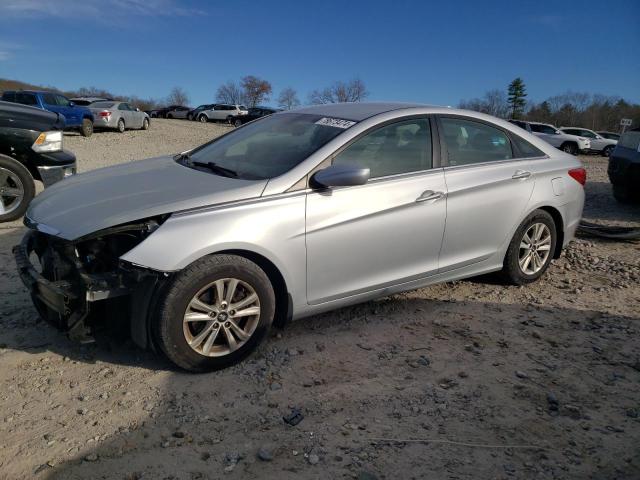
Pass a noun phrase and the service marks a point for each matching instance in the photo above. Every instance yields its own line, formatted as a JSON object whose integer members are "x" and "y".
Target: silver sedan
{"x": 118, "y": 115}
{"x": 294, "y": 214}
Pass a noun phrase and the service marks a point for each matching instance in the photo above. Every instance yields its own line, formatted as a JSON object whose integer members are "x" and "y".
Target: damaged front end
{"x": 77, "y": 285}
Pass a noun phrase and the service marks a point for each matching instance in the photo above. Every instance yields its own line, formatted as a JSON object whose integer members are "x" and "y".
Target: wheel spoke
{"x": 197, "y": 304}
{"x": 248, "y": 300}
{"x": 525, "y": 246}
{"x": 12, "y": 192}
{"x": 238, "y": 331}
{"x": 231, "y": 290}
{"x": 202, "y": 335}
{"x": 544, "y": 247}
{"x": 219, "y": 292}
{"x": 524, "y": 263}
{"x": 247, "y": 312}
{"x": 196, "y": 317}
{"x": 231, "y": 340}
{"x": 206, "y": 348}
{"x": 538, "y": 231}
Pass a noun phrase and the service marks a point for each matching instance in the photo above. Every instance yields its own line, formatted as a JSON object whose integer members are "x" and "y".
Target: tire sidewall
{"x": 87, "y": 128}
{"x": 123, "y": 128}
{"x": 145, "y": 124}
{"x": 185, "y": 286}
{"x": 27, "y": 183}
{"x": 512, "y": 266}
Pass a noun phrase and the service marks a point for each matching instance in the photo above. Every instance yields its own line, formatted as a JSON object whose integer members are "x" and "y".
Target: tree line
{"x": 249, "y": 90}
{"x": 569, "y": 109}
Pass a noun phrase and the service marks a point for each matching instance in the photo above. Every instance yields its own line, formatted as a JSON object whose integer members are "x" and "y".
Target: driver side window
{"x": 400, "y": 147}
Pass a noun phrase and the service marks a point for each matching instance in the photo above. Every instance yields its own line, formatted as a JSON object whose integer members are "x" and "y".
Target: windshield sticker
{"x": 335, "y": 122}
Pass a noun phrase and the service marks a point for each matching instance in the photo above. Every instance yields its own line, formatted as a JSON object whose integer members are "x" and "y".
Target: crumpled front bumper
{"x": 64, "y": 303}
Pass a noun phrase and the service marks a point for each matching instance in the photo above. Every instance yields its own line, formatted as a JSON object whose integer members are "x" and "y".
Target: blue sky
{"x": 426, "y": 51}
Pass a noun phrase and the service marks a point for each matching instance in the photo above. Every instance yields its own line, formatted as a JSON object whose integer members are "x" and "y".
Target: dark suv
{"x": 31, "y": 144}
{"x": 624, "y": 167}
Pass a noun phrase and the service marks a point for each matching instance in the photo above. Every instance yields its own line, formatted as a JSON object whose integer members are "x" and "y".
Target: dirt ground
{"x": 465, "y": 380}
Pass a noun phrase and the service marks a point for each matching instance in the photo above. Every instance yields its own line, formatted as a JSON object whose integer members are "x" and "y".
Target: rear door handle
{"x": 429, "y": 195}
{"x": 521, "y": 174}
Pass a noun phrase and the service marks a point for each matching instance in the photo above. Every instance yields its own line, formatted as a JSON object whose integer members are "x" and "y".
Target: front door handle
{"x": 521, "y": 174}
{"x": 429, "y": 195}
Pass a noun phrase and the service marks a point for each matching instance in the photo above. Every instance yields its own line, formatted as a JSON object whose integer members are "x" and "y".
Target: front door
{"x": 386, "y": 232}
{"x": 488, "y": 190}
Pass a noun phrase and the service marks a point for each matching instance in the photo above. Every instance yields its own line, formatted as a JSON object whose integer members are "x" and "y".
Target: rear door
{"x": 72, "y": 114}
{"x": 386, "y": 232}
{"x": 488, "y": 187}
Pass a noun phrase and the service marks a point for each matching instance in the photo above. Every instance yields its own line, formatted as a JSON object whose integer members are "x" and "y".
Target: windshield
{"x": 268, "y": 147}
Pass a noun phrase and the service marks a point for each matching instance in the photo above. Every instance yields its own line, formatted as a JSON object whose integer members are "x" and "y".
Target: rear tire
{"x": 192, "y": 345}
{"x": 570, "y": 148}
{"x": 203, "y": 118}
{"x": 121, "y": 126}
{"x": 87, "y": 127}
{"x": 17, "y": 189}
{"x": 516, "y": 269}
{"x": 145, "y": 124}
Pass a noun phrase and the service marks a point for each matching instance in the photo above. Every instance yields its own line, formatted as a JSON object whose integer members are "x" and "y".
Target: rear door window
{"x": 9, "y": 97}
{"x": 26, "y": 98}
{"x": 525, "y": 149}
{"x": 470, "y": 142}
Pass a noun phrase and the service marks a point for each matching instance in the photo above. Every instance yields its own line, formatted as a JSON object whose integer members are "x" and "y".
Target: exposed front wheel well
{"x": 283, "y": 300}
{"x": 557, "y": 220}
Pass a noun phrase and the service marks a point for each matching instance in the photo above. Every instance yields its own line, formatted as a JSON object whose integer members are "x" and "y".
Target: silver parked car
{"x": 295, "y": 214}
{"x": 118, "y": 115}
{"x": 221, "y": 112}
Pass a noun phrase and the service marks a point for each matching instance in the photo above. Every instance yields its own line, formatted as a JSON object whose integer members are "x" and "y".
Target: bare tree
{"x": 494, "y": 102}
{"x": 351, "y": 91}
{"x": 231, "y": 93}
{"x": 256, "y": 90}
{"x": 178, "y": 97}
{"x": 288, "y": 99}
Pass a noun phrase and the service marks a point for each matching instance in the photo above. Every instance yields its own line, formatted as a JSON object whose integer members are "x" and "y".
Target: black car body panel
{"x": 20, "y": 126}
{"x": 254, "y": 114}
{"x": 624, "y": 162}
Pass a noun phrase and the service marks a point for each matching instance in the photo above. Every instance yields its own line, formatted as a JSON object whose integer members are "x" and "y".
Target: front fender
{"x": 273, "y": 227}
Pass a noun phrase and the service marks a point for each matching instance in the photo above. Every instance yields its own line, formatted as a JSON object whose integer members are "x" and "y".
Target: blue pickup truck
{"x": 76, "y": 117}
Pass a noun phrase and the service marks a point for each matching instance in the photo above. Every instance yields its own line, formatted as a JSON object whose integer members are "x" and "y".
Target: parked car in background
{"x": 572, "y": 144}
{"x": 177, "y": 112}
{"x": 31, "y": 148}
{"x": 221, "y": 112}
{"x": 86, "y": 101}
{"x": 624, "y": 167}
{"x": 153, "y": 113}
{"x": 119, "y": 115}
{"x": 193, "y": 114}
{"x": 295, "y": 214}
{"x": 76, "y": 116}
{"x": 609, "y": 135}
{"x": 599, "y": 144}
{"x": 253, "y": 114}
{"x": 162, "y": 112}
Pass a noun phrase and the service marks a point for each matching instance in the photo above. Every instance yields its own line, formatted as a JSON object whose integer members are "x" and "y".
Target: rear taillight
{"x": 105, "y": 113}
{"x": 579, "y": 175}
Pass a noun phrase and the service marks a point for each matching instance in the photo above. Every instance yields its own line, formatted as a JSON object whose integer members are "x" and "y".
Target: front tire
{"x": 237, "y": 123}
{"x": 606, "y": 152}
{"x": 121, "y": 126}
{"x": 214, "y": 313}
{"x": 16, "y": 189}
{"x": 531, "y": 249}
{"x": 145, "y": 124}
{"x": 87, "y": 127}
{"x": 203, "y": 118}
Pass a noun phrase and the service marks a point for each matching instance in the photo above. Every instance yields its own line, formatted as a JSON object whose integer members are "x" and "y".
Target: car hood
{"x": 103, "y": 198}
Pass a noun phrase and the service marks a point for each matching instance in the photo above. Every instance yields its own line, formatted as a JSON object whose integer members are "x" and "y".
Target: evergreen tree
{"x": 516, "y": 100}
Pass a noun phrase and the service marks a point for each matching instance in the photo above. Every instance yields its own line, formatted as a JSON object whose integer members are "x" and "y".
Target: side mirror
{"x": 71, "y": 104}
{"x": 137, "y": 109}
{"x": 340, "y": 176}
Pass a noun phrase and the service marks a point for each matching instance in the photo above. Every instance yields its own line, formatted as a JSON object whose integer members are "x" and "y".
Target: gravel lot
{"x": 466, "y": 380}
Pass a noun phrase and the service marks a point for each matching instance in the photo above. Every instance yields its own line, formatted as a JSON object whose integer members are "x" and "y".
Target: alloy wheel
{"x": 221, "y": 317}
{"x": 11, "y": 191}
{"x": 535, "y": 248}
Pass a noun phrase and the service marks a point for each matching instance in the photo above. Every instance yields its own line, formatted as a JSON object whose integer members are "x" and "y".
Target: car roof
{"x": 357, "y": 111}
